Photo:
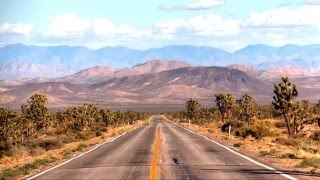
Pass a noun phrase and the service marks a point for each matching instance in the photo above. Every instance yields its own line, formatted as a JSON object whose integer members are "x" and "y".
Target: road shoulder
{"x": 253, "y": 155}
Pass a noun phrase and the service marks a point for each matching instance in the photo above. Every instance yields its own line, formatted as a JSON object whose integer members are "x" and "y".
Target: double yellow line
{"x": 153, "y": 169}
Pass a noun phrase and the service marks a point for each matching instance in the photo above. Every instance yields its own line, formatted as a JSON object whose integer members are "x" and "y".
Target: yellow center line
{"x": 153, "y": 169}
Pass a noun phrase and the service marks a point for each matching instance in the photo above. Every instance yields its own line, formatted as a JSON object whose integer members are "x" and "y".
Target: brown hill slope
{"x": 246, "y": 68}
{"x": 179, "y": 84}
{"x": 152, "y": 66}
{"x": 292, "y": 72}
{"x": 275, "y": 74}
{"x": 58, "y": 93}
{"x": 90, "y": 75}
{"x": 102, "y": 73}
{"x": 166, "y": 87}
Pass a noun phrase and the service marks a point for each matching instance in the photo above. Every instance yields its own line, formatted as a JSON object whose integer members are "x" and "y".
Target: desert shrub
{"x": 44, "y": 161}
{"x": 46, "y": 144}
{"x": 237, "y": 145}
{"x": 234, "y": 125}
{"x": 309, "y": 145}
{"x": 315, "y": 135}
{"x": 310, "y": 162}
{"x": 81, "y": 147}
{"x": 287, "y": 141}
{"x": 13, "y": 173}
{"x": 36, "y": 151}
{"x": 85, "y": 135}
{"x": 18, "y": 151}
{"x": 51, "y": 131}
{"x": 10, "y": 173}
{"x": 93, "y": 144}
{"x": 99, "y": 133}
{"x": 2, "y": 153}
{"x": 288, "y": 156}
{"x": 242, "y": 132}
{"x": 211, "y": 131}
{"x": 68, "y": 137}
{"x": 218, "y": 124}
{"x": 32, "y": 143}
{"x": 280, "y": 124}
{"x": 257, "y": 130}
{"x": 66, "y": 153}
{"x": 49, "y": 144}
{"x": 264, "y": 129}
{"x": 272, "y": 152}
{"x": 266, "y": 112}
{"x": 28, "y": 167}
{"x": 5, "y": 149}
{"x": 224, "y": 137}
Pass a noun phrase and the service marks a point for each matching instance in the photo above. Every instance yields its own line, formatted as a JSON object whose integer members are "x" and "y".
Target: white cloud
{"x": 285, "y": 17}
{"x": 70, "y": 26}
{"x": 67, "y": 25}
{"x": 312, "y": 2}
{"x": 195, "y": 5}
{"x": 19, "y": 28}
{"x": 105, "y": 27}
{"x": 171, "y": 26}
{"x": 206, "y": 25}
{"x": 278, "y": 26}
{"x": 204, "y": 4}
{"x": 81, "y": 30}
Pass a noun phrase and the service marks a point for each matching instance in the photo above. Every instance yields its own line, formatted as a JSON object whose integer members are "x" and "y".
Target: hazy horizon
{"x": 228, "y": 25}
{"x": 163, "y": 46}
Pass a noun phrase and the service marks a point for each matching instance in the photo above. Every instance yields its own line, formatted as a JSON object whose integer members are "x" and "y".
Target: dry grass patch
{"x": 310, "y": 162}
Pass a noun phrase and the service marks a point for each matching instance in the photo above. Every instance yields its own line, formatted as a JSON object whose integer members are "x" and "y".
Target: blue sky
{"x": 141, "y": 24}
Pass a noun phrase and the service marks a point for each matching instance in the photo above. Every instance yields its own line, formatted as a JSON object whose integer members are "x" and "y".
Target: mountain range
{"x": 103, "y": 73}
{"x": 155, "y": 82}
{"x": 22, "y": 61}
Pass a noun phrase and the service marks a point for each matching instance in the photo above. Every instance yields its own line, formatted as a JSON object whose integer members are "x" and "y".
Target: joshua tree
{"x": 248, "y": 107}
{"x": 225, "y": 103}
{"x": 192, "y": 107}
{"x": 307, "y": 106}
{"x": 36, "y": 110}
{"x": 107, "y": 116}
{"x": 7, "y": 125}
{"x": 206, "y": 114}
{"x": 294, "y": 114}
{"x": 285, "y": 93}
{"x": 301, "y": 117}
{"x": 317, "y": 108}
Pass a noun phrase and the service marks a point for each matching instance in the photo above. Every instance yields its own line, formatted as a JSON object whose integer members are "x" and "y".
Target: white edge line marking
{"x": 65, "y": 162}
{"x": 243, "y": 156}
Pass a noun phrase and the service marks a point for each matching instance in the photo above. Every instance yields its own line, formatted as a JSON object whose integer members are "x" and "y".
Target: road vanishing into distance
{"x": 162, "y": 150}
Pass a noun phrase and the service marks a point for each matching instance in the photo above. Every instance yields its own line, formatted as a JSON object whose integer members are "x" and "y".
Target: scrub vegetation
{"x": 35, "y": 130}
{"x": 286, "y": 129}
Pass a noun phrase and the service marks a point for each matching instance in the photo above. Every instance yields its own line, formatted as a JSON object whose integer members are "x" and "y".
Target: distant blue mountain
{"x": 19, "y": 60}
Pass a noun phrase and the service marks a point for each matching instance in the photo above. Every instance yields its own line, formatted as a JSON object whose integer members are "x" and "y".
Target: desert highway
{"x": 162, "y": 150}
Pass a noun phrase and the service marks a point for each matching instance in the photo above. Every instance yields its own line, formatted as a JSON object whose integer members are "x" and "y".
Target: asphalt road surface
{"x": 161, "y": 150}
